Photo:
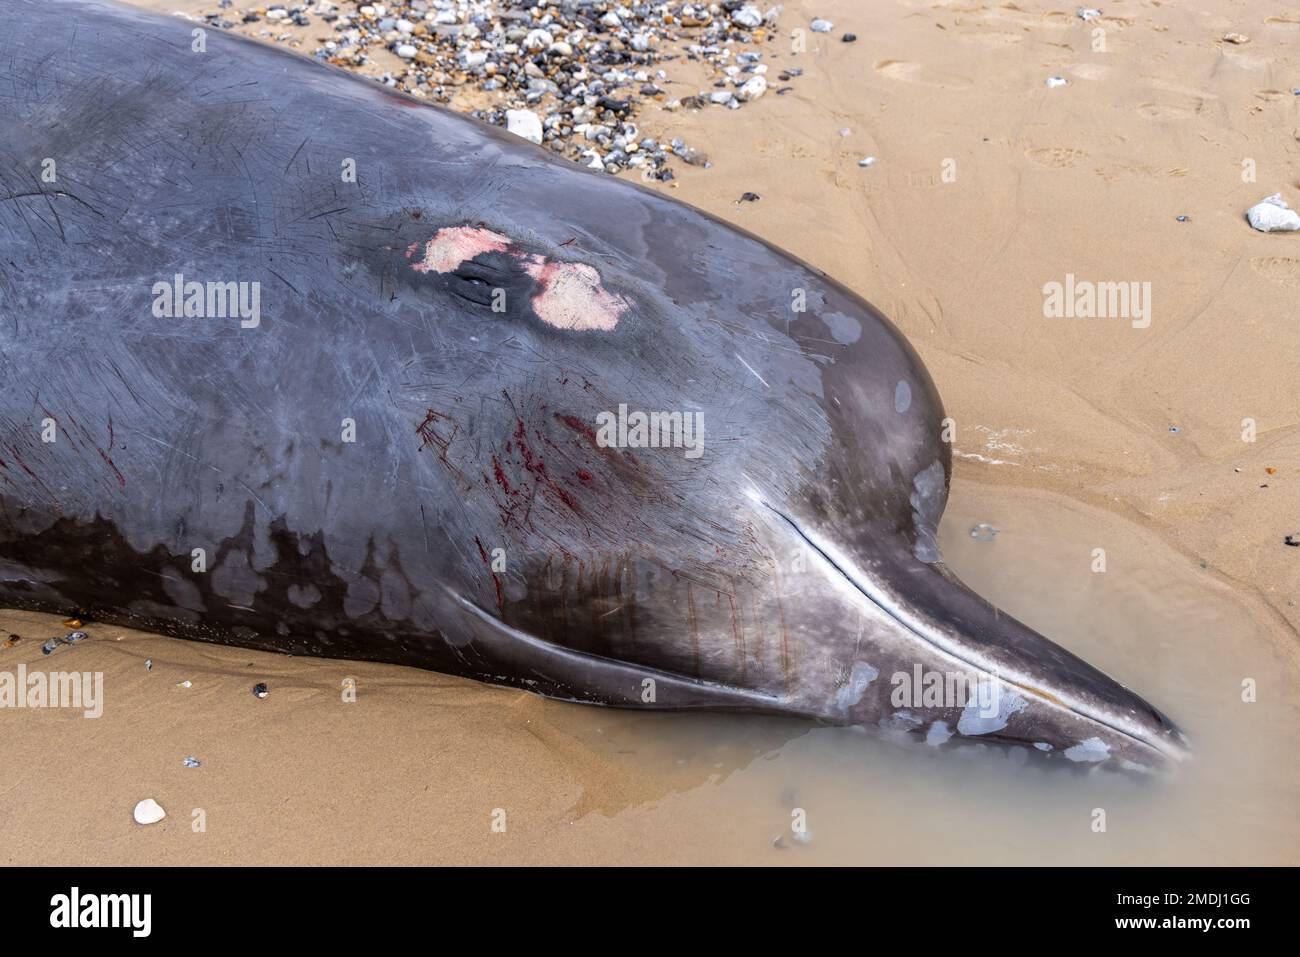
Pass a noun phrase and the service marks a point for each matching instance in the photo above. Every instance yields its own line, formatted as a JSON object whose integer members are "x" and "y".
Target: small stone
{"x": 406, "y": 51}
{"x": 1087, "y": 13}
{"x": 849, "y": 38}
{"x": 191, "y": 762}
{"x": 983, "y": 532}
{"x": 822, "y": 26}
{"x": 752, "y": 90}
{"x": 148, "y": 812}
{"x": 259, "y": 690}
{"x": 749, "y": 197}
{"x": 1054, "y": 81}
{"x": 1182, "y": 219}
{"x": 867, "y": 161}
{"x": 148, "y": 664}
{"x": 747, "y": 16}
{"x": 524, "y": 123}
{"x": 1237, "y": 38}
{"x": 185, "y": 684}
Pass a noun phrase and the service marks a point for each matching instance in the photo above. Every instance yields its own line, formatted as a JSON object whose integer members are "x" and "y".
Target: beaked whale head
{"x": 707, "y": 466}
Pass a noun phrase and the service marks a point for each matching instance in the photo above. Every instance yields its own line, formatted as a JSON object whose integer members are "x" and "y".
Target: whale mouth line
{"x": 929, "y": 636}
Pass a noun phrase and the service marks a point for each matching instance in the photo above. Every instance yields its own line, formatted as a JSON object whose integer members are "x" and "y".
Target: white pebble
{"x": 752, "y": 90}
{"x": 148, "y": 812}
{"x": 867, "y": 161}
{"x": 1054, "y": 81}
{"x": 822, "y": 26}
{"x": 524, "y": 123}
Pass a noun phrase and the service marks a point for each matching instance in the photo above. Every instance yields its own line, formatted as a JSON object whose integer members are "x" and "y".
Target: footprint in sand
{"x": 1166, "y": 111}
{"x": 1055, "y": 157}
{"x": 1278, "y": 269}
{"x": 915, "y": 73}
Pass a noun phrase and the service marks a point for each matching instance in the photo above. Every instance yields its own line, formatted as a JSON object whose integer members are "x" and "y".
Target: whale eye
{"x": 475, "y": 283}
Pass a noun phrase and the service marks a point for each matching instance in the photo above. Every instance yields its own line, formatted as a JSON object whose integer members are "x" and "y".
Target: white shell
{"x": 148, "y": 812}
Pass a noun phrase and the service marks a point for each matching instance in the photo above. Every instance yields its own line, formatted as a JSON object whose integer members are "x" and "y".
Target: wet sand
{"x": 1065, "y": 443}
{"x": 414, "y": 770}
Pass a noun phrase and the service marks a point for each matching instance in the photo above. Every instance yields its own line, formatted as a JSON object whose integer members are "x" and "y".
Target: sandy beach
{"x": 1171, "y": 440}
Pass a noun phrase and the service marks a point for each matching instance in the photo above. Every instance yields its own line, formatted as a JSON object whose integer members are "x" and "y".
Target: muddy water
{"x": 415, "y": 770}
{"x": 1153, "y": 618}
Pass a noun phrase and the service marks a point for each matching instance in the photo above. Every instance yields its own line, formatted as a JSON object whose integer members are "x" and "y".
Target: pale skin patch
{"x": 455, "y": 245}
{"x": 572, "y": 296}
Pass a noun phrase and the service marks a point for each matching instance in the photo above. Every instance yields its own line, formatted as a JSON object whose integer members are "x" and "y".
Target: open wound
{"x": 570, "y": 295}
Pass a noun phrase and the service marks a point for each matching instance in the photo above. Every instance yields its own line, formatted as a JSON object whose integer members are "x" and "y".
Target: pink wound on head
{"x": 458, "y": 244}
{"x": 572, "y": 296}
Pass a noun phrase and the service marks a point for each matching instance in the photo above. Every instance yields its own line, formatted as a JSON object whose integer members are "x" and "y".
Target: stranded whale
{"x": 291, "y": 362}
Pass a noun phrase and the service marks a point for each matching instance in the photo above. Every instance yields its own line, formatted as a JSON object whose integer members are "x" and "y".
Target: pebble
{"x": 867, "y": 161}
{"x": 1182, "y": 219}
{"x": 524, "y": 123}
{"x": 259, "y": 690}
{"x": 749, "y": 197}
{"x": 1292, "y": 540}
{"x": 1087, "y": 13}
{"x": 71, "y": 638}
{"x": 1237, "y": 38}
{"x": 565, "y": 61}
{"x": 822, "y": 26}
{"x": 148, "y": 664}
{"x": 1055, "y": 81}
{"x": 983, "y": 532}
{"x": 849, "y": 38}
{"x": 148, "y": 812}
{"x": 191, "y": 762}
{"x": 185, "y": 684}
{"x": 752, "y": 89}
